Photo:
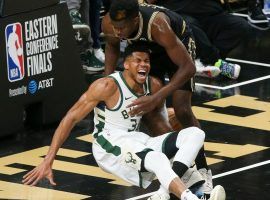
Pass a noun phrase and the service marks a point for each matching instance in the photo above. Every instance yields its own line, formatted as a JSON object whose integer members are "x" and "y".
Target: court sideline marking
{"x": 234, "y": 85}
{"x": 249, "y": 62}
{"x": 242, "y": 83}
{"x": 215, "y": 176}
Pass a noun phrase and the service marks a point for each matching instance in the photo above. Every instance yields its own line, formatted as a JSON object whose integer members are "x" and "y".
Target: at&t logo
{"x": 32, "y": 87}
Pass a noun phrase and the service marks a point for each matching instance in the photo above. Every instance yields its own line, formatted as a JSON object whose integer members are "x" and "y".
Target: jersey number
{"x": 133, "y": 121}
{"x": 134, "y": 125}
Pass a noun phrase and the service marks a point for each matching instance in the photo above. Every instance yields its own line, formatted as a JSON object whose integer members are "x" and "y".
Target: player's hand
{"x": 44, "y": 170}
{"x": 143, "y": 105}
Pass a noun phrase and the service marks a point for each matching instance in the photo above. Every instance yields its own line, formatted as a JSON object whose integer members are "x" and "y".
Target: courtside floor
{"x": 234, "y": 114}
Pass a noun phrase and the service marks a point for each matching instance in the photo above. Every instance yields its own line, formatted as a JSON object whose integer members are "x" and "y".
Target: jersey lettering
{"x": 125, "y": 114}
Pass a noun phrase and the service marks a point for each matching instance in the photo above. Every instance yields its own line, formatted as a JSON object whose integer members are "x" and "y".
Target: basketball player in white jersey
{"x": 118, "y": 147}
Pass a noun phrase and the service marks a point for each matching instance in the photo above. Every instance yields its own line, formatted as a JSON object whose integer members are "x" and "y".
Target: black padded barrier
{"x": 40, "y": 71}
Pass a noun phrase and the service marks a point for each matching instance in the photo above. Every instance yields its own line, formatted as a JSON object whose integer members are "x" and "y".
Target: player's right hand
{"x": 44, "y": 170}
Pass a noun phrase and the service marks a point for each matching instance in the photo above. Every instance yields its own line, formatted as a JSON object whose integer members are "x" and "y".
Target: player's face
{"x": 124, "y": 29}
{"x": 138, "y": 65}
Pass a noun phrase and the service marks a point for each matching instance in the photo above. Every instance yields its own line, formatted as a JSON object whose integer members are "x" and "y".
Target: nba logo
{"x": 14, "y": 50}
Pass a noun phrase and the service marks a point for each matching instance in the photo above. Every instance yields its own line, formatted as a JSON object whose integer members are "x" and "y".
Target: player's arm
{"x": 157, "y": 120}
{"x": 163, "y": 34}
{"x": 100, "y": 90}
{"x": 112, "y": 46}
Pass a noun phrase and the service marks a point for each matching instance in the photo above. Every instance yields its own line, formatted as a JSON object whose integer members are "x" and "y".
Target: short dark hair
{"x": 139, "y": 46}
{"x": 124, "y": 9}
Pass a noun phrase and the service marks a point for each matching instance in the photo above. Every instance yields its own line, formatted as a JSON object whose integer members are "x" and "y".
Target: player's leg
{"x": 183, "y": 112}
{"x": 182, "y": 105}
{"x": 159, "y": 164}
{"x": 184, "y": 147}
{"x": 187, "y": 144}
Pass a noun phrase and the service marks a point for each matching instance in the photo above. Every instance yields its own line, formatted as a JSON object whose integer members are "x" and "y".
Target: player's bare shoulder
{"x": 160, "y": 27}
{"x": 103, "y": 88}
{"x": 160, "y": 22}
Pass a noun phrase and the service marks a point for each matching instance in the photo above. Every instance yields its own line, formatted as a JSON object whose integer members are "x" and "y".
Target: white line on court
{"x": 246, "y": 82}
{"x": 248, "y": 62}
{"x": 209, "y": 86}
{"x": 242, "y": 83}
{"x": 142, "y": 196}
{"x": 241, "y": 169}
{"x": 233, "y": 85}
{"x": 215, "y": 176}
{"x": 239, "y": 14}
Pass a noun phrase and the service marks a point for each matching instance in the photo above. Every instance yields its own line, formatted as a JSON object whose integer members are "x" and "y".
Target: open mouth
{"x": 142, "y": 73}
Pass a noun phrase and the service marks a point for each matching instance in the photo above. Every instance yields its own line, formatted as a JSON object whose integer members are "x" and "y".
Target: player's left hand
{"x": 143, "y": 105}
{"x": 43, "y": 170}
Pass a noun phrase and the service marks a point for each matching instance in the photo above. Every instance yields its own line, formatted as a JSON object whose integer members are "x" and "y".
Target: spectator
{"x": 74, "y": 6}
{"x": 94, "y": 17}
{"x": 92, "y": 56}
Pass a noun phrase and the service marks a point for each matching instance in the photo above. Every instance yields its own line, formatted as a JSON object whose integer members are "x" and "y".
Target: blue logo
{"x": 14, "y": 50}
{"x": 32, "y": 86}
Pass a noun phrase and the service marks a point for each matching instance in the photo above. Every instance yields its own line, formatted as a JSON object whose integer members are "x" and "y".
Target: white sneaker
{"x": 207, "y": 176}
{"x": 99, "y": 54}
{"x": 218, "y": 193}
{"x": 192, "y": 177}
{"x": 206, "y": 71}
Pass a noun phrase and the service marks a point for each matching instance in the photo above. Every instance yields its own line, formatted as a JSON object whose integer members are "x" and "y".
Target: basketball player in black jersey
{"x": 173, "y": 51}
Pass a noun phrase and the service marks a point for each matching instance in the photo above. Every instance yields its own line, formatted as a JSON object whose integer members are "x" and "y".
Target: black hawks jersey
{"x": 147, "y": 14}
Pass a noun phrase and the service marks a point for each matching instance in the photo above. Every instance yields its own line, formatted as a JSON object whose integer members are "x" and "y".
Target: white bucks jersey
{"x": 118, "y": 116}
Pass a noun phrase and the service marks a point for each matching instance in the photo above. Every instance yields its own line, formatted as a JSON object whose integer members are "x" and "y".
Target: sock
{"x": 179, "y": 168}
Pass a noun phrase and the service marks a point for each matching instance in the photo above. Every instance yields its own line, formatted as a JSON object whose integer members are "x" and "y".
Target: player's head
{"x": 124, "y": 16}
{"x": 137, "y": 61}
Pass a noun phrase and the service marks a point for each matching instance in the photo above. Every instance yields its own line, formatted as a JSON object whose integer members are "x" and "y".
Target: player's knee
{"x": 193, "y": 135}
{"x": 196, "y": 134}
